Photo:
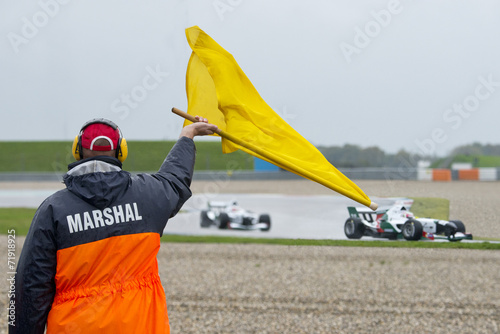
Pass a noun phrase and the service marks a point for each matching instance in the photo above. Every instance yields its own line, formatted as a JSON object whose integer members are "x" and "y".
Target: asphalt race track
{"x": 24, "y": 198}
{"x": 304, "y": 217}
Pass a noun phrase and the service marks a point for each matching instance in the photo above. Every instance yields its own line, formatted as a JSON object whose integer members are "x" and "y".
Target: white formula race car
{"x": 396, "y": 222}
{"x": 228, "y": 215}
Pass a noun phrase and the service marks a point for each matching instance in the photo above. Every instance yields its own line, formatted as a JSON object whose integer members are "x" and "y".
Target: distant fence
{"x": 30, "y": 177}
{"x": 471, "y": 174}
{"x": 422, "y": 174}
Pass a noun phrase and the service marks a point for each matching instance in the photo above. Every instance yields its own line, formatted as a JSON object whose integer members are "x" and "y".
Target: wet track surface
{"x": 24, "y": 198}
{"x": 305, "y": 217}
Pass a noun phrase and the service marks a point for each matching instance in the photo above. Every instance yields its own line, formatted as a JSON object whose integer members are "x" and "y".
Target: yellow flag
{"x": 218, "y": 90}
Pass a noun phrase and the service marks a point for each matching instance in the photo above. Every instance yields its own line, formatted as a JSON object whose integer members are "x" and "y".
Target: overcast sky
{"x": 418, "y": 75}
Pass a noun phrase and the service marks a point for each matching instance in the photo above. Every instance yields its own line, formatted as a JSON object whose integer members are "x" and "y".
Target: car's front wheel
{"x": 204, "y": 220}
{"x": 223, "y": 221}
{"x": 354, "y": 228}
{"x": 412, "y": 230}
{"x": 460, "y": 226}
{"x": 266, "y": 219}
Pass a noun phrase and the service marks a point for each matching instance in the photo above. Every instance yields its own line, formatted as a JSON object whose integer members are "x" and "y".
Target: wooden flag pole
{"x": 191, "y": 118}
{"x": 265, "y": 154}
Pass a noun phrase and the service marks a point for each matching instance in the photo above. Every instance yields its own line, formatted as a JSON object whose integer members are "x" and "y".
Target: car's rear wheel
{"x": 354, "y": 228}
{"x": 265, "y": 219}
{"x": 223, "y": 220}
{"x": 204, "y": 220}
{"x": 412, "y": 230}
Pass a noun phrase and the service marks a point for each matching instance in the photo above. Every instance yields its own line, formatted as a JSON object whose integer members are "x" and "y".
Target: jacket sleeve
{"x": 178, "y": 169}
{"x": 163, "y": 193}
{"x": 36, "y": 269}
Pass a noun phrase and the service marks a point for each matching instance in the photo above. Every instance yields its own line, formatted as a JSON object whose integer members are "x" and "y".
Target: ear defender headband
{"x": 121, "y": 149}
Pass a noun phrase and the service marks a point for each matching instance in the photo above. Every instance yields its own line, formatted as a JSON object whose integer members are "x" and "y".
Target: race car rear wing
{"x": 364, "y": 213}
{"x": 369, "y": 215}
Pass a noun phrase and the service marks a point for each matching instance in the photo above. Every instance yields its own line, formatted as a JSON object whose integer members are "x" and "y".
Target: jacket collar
{"x": 93, "y": 165}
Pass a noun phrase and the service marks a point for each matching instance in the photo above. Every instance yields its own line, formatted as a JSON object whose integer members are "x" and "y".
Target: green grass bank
{"x": 54, "y": 156}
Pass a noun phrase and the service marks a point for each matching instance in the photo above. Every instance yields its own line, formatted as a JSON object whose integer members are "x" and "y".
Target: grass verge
{"x": 18, "y": 219}
{"x": 339, "y": 243}
{"x": 431, "y": 207}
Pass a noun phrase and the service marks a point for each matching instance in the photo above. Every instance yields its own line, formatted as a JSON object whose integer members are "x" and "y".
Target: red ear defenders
{"x": 121, "y": 149}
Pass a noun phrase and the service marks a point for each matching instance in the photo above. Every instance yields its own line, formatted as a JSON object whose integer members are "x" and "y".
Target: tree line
{"x": 349, "y": 156}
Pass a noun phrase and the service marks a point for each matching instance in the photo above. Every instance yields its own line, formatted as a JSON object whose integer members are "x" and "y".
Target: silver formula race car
{"x": 397, "y": 222}
{"x": 228, "y": 215}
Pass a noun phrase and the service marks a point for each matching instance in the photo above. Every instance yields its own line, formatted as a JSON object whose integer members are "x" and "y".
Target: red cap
{"x": 96, "y": 131}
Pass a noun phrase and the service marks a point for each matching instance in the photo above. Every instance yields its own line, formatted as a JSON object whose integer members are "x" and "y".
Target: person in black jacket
{"x": 88, "y": 264}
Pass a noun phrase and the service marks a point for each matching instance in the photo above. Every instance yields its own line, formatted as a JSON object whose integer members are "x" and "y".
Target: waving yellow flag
{"x": 218, "y": 90}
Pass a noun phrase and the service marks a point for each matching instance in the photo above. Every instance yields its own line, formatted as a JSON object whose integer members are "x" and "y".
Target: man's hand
{"x": 200, "y": 128}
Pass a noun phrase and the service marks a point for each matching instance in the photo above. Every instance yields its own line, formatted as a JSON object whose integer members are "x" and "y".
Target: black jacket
{"x": 101, "y": 202}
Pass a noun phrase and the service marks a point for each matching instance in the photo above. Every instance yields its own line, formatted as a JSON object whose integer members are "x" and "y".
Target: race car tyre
{"x": 460, "y": 226}
{"x": 204, "y": 220}
{"x": 266, "y": 219}
{"x": 450, "y": 229}
{"x": 412, "y": 230}
{"x": 224, "y": 221}
{"x": 354, "y": 228}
